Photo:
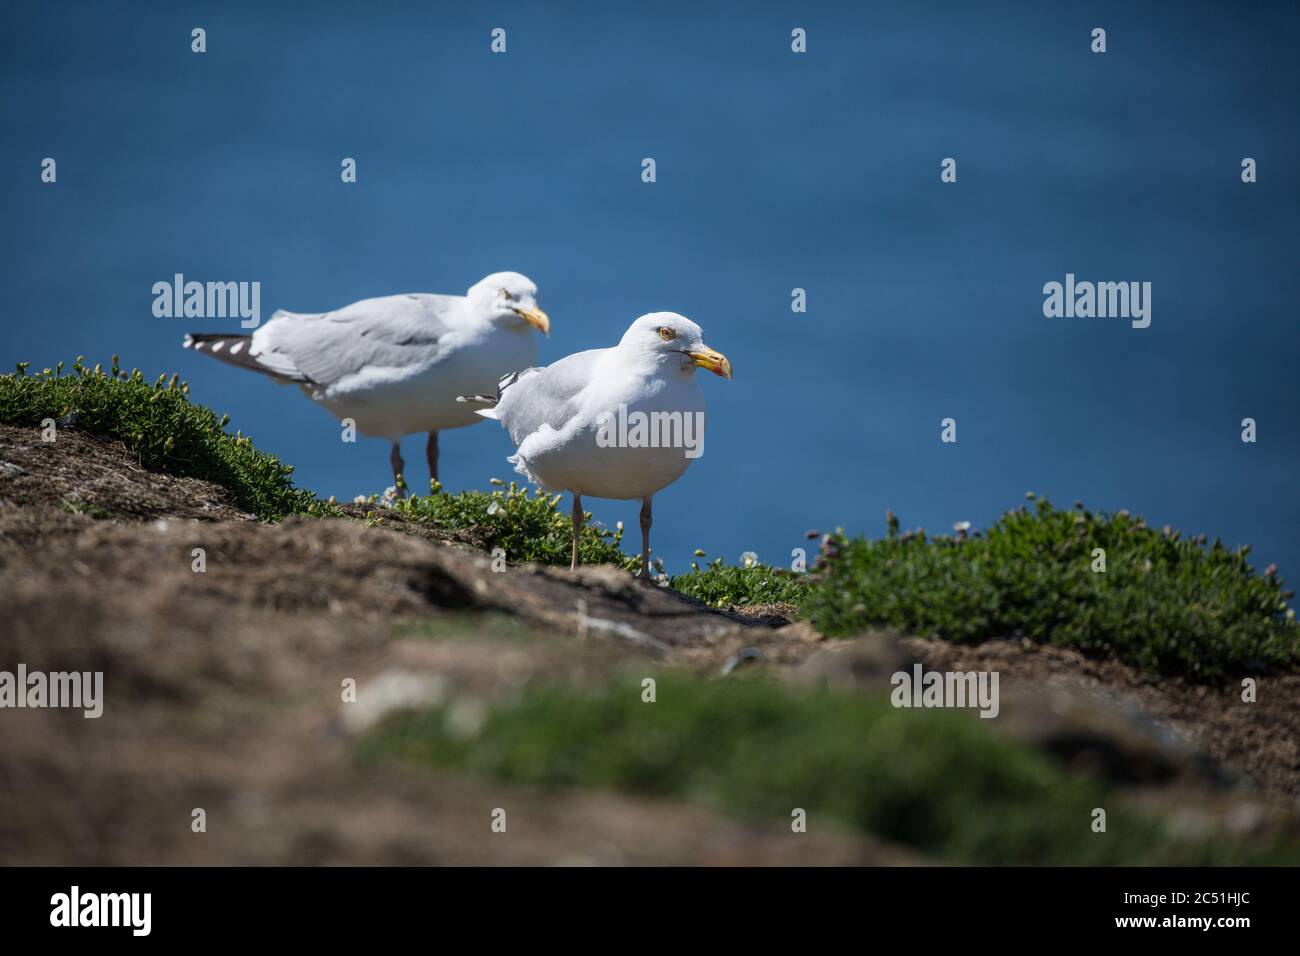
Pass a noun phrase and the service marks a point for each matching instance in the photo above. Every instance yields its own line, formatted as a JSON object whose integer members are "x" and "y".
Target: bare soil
{"x": 224, "y": 688}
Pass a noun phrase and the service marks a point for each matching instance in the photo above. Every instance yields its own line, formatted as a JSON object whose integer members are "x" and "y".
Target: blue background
{"x": 775, "y": 170}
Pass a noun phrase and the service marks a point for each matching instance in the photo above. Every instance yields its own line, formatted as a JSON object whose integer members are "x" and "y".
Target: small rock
{"x": 390, "y": 692}
{"x": 747, "y": 654}
{"x": 465, "y": 717}
{"x": 1111, "y": 739}
{"x": 866, "y": 665}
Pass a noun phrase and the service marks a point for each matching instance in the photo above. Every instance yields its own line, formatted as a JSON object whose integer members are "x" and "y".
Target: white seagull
{"x": 617, "y": 423}
{"x": 396, "y": 364}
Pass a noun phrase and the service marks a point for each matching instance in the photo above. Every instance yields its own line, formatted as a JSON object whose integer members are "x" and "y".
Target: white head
{"x": 673, "y": 339}
{"x": 510, "y": 299}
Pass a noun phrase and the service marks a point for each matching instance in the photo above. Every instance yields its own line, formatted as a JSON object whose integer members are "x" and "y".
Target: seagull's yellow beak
{"x": 714, "y": 361}
{"x": 537, "y": 319}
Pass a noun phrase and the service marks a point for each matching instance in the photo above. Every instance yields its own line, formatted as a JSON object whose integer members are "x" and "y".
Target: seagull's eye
{"x": 667, "y": 334}
{"x": 505, "y": 294}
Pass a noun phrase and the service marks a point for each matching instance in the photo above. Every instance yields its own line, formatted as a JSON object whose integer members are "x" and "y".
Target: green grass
{"x": 1165, "y": 603}
{"x": 935, "y": 781}
{"x": 527, "y": 527}
{"x": 718, "y": 584}
{"x": 160, "y": 425}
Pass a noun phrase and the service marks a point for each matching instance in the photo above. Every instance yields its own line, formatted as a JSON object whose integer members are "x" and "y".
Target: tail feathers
{"x": 214, "y": 342}
{"x": 509, "y": 379}
{"x": 235, "y": 349}
{"x": 488, "y": 401}
{"x": 521, "y": 467}
{"x": 491, "y": 401}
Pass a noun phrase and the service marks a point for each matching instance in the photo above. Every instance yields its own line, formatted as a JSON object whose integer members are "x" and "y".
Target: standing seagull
{"x": 580, "y": 425}
{"x": 396, "y": 364}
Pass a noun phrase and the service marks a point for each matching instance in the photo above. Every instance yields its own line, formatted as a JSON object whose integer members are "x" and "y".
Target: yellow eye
{"x": 667, "y": 334}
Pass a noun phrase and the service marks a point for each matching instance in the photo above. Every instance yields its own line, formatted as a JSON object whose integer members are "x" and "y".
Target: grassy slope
{"x": 161, "y": 426}
{"x": 938, "y": 782}
{"x": 526, "y": 528}
{"x": 935, "y": 781}
{"x": 1164, "y": 603}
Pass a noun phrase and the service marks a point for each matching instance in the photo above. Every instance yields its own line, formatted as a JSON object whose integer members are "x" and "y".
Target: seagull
{"x": 618, "y": 423}
{"x": 396, "y": 364}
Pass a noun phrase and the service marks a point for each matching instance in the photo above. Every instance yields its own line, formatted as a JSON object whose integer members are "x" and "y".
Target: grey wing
{"x": 544, "y": 396}
{"x": 395, "y": 332}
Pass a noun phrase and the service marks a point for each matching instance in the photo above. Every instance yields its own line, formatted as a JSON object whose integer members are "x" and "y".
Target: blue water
{"x": 775, "y": 171}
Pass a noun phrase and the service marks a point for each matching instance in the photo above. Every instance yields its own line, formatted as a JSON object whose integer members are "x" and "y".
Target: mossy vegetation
{"x": 1164, "y": 603}
{"x": 719, "y": 584}
{"x": 158, "y": 423}
{"x": 527, "y": 527}
{"x": 938, "y": 782}
{"x": 1105, "y": 584}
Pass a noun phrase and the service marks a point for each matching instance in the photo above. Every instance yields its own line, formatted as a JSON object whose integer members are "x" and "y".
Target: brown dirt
{"x": 223, "y": 688}
{"x": 1258, "y": 740}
